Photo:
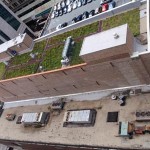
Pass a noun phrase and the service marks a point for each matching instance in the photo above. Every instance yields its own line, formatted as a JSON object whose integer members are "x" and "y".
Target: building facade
{"x": 29, "y": 9}
{"x": 11, "y": 25}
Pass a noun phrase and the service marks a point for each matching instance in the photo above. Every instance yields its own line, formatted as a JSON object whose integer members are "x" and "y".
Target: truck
{"x": 35, "y": 119}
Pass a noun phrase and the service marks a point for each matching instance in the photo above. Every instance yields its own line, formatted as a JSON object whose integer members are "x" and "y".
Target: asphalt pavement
{"x": 53, "y": 23}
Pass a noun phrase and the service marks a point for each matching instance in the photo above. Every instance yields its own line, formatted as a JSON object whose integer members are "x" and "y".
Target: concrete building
{"x": 107, "y": 45}
{"x": 28, "y": 10}
{"x": 32, "y": 12}
{"x": 17, "y": 4}
{"x": 116, "y": 60}
{"x": 11, "y": 25}
{"x": 119, "y": 63}
{"x": 103, "y": 135}
{"x": 19, "y": 45}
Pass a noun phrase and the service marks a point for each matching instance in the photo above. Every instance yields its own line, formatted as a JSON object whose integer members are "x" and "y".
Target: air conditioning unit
{"x": 57, "y": 105}
{"x": 143, "y": 115}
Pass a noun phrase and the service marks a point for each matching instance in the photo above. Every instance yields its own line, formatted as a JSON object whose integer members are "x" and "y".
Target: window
{"x": 2, "y": 34}
{"x": 20, "y": 1}
{"x": 1, "y": 42}
{"x": 33, "y": 8}
{"x": 29, "y": 33}
{"x": 10, "y": 19}
{"x": 15, "y": 4}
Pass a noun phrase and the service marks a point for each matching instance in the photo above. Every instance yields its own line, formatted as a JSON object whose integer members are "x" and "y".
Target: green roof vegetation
{"x": 20, "y": 59}
{"x": 25, "y": 58}
{"x": 75, "y": 59}
{"x": 52, "y": 58}
{"x": 132, "y": 18}
{"x": 16, "y": 72}
{"x": 2, "y": 70}
{"x": 39, "y": 48}
{"x": 76, "y": 33}
{"x": 48, "y": 52}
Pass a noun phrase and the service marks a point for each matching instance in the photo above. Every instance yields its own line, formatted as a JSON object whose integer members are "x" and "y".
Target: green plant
{"x": 39, "y": 48}
{"x": 76, "y": 33}
{"x": 52, "y": 58}
{"x": 25, "y": 58}
{"x": 132, "y": 18}
{"x": 29, "y": 69}
{"x": 75, "y": 58}
{"x": 2, "y": 69}
{"x": 20, "y": 59}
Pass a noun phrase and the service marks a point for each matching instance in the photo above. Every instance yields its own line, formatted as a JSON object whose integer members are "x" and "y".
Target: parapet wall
{"x": 78, "y": 79}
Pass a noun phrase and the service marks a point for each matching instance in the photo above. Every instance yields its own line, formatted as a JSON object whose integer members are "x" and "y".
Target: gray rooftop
{"x": 101, "y": 134}
{"x": 104, "y": 40}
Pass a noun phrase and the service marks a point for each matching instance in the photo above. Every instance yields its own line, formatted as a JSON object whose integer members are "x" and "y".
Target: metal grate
{"x": 112, "y": 117}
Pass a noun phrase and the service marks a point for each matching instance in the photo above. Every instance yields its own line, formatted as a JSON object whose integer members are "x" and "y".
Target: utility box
{"x": 126, "y": 129}
{"x": 108, "y": 45}
{"x": 35, "y": 119}
{"x": 79, "y": 117}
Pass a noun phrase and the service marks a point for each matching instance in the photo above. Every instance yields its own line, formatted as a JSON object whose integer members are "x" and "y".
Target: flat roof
{"x": 104, "y": 40}
{"x": 5, "y": 46}
{"x": 101, "y": 134}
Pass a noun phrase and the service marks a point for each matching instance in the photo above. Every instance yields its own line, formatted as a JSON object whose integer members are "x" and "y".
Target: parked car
{"x": 55, "y": 7}
{"x": 79, "y": 18}
{"x": 105, "y": 1}
{"x": 69, "y": 7}
{"x": 65, "y": 10}
{"x": 75, "y": 4}
{"x": 89, "y": 1}
{"x": 60, "y": 12}
{"x": 84, "y": 2}
{"x": 58, "y": 6}
{"x": 53, "y": 15}
{"x": 62, "y": 4}
{"x": 67, "y": 2}
{"x": 64, "y": 24}
{"x": 56, "y": 14}
{"x": 112, "y": 5}
{"x": 61, "y": 26}
{"x": 79, "y": 3}
{"x": 98, "y": 10}
{"x": 91, "y": 13}
{"x": 71, "y": 1}
{"x": 85, "y": 15}
{"x": 74, "y": 20}
{"x": 104, "y": 7}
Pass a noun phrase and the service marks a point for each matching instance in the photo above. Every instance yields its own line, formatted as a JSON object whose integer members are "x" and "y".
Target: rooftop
{"x": 48, "y": 52}
{"x": 102, "y": 134}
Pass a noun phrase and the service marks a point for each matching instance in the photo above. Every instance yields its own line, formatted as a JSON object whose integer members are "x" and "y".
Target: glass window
{"x": 10, "y": 19}
{"x": 15, "y": 4}
{"x": 1, "y": 42}
{"x": 29, "y": 33}
{"x": 2, "y": 34}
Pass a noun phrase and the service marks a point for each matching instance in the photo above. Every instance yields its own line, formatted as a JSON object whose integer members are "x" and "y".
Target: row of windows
{"x": 20, "y": 4}
{"x": 10, "y": 19}
{"x": 2, "y": 34}
{"x": 34, "y": 7}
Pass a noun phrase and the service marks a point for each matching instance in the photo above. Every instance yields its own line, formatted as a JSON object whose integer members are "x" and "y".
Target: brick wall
{"x": 81, "y": 78}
